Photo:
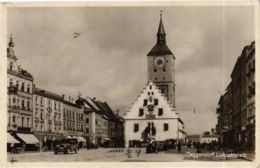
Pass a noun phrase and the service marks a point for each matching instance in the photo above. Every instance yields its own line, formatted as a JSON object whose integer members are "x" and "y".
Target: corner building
{"x": 20, "y": 95}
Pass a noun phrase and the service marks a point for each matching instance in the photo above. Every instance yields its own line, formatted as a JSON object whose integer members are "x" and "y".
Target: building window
{"x": 11, "y": 82}
{"x": 22, "y": 121}
{"x": 87, "y": 120}
{"x": 28, "y": 105}
{"x": 28, "y": 123}
{"x": 87, "y": 130}
{"x": 22, "y": 87}
{"x": 23, "y": 107}
{"x": 155, "y": 70}
{"x": 141, "y": 112}
{"x": 17, "y": 85}
{"x": 164, "y": 70}
{"x": 150, "y": 87}
{"x": 163, "y": 78}
{"x": 136, "y": 127}
{"x": 13, "y": 119}
{"x": 145, "y": 102}
{"x": 155, "y": 78}
{"x": 155, "y": 102}
{"x": 11, "y": 66}
{"x": 160, "y": 112}
{"x": 165, "y": 127}
{"x": 28, "y": 88}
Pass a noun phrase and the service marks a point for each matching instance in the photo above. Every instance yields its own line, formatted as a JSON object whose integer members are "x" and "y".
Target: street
{"x": 111, "y": 155}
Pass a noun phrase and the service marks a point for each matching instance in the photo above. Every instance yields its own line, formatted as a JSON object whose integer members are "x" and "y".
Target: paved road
{"x": 103, "y": 155}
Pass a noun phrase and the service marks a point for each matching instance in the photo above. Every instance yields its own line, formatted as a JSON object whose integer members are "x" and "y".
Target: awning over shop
{"x": 11, "y": 139}
{"x": 28, "y": 138}
{"x": 108, "y": 139}
{"x": 81, "y": 139}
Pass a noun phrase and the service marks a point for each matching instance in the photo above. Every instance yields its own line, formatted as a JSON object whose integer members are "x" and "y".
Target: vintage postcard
{"x": 99, "y": 84}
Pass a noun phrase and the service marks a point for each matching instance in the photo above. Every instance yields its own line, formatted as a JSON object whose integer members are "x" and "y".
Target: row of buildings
{"x": 37, "y": 114}
{"x": 49, "y": 116}
{"x": 236, "y": 107}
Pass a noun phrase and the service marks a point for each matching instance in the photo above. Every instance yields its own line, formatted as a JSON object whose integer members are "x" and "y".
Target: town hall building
{"x": 153, "y": 115}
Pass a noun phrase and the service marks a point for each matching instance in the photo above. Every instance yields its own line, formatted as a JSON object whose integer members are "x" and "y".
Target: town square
{"x": 106, "y": 84}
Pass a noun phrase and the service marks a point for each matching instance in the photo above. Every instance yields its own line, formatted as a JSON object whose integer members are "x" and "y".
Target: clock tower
{"x": 161, "y": 69}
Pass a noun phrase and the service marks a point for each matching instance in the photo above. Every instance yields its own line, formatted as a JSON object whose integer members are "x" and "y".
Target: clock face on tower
{"x": 159, "y": 62}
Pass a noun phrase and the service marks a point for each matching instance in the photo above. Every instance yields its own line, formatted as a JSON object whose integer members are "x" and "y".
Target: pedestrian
{"x": 128, "y": 153}
{"x": 138, "y": 152}
{"x": 179, "y": 147}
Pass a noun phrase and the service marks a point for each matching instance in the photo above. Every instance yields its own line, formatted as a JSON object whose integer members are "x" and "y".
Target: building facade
{"x": 47, "y": 115}
{"x": 102, "y": 126}
{"x": 152, "y": 117}
{"x": 72, "y": 119}
{"x": 236, "y": 111}
{"x": 250, "y": 95}
{"x": 20, "y": 97}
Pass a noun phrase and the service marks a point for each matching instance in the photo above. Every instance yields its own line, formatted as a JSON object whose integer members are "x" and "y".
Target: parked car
{"x": 67, "y": 145}
{"x": 170, "y": 144}
{"x": 155, "y": 147}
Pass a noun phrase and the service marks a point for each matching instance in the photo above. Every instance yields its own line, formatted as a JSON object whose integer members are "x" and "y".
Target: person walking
{"x": 179, "y": 147}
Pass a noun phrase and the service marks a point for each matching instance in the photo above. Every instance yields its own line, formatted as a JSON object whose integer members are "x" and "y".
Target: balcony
{"x": 12, "y": 90}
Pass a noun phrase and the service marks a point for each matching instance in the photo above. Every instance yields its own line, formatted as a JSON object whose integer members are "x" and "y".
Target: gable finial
{"x": 161, "y": 11}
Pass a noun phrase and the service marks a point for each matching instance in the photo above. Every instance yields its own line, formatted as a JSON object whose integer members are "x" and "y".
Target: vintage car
{"x": 67, "y": 146}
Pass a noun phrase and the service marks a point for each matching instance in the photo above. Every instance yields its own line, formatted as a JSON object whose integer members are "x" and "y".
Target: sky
{"x": 108, "y": 60}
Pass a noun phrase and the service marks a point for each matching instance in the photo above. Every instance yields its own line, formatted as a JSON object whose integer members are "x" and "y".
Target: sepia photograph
{"x": 131, "y": 84}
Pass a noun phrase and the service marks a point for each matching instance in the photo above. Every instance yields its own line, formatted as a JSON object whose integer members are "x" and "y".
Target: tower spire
{"x": 161, "y": 33}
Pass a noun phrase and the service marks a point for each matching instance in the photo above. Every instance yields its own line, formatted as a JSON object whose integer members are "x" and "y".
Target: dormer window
{"x": 155, "y": 102}
{"x": 141, "y": 112}
{"x": 145, "y": 102}
{"x": 136, "y": 127}
{"x": 165, "y": 127}
{"x": 160, "y": 112}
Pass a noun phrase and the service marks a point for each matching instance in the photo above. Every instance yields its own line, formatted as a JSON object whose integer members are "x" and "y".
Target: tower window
{"x": 155, "y": 78}
{"x": 11, "y": 66}
{"x": 141, "y": 112}
{"x": 155, "y": 102}
{"x": 148, "y": 93}
{"x": 145, "y": 102}
{"x": 165, "y": 127}
{"x": 160, "y": 112}
{"x": 155, "y": 70}
{"x": 164, "y": 70}
{"x": 163, "y": 78}
{"x": 136, "y": 127}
